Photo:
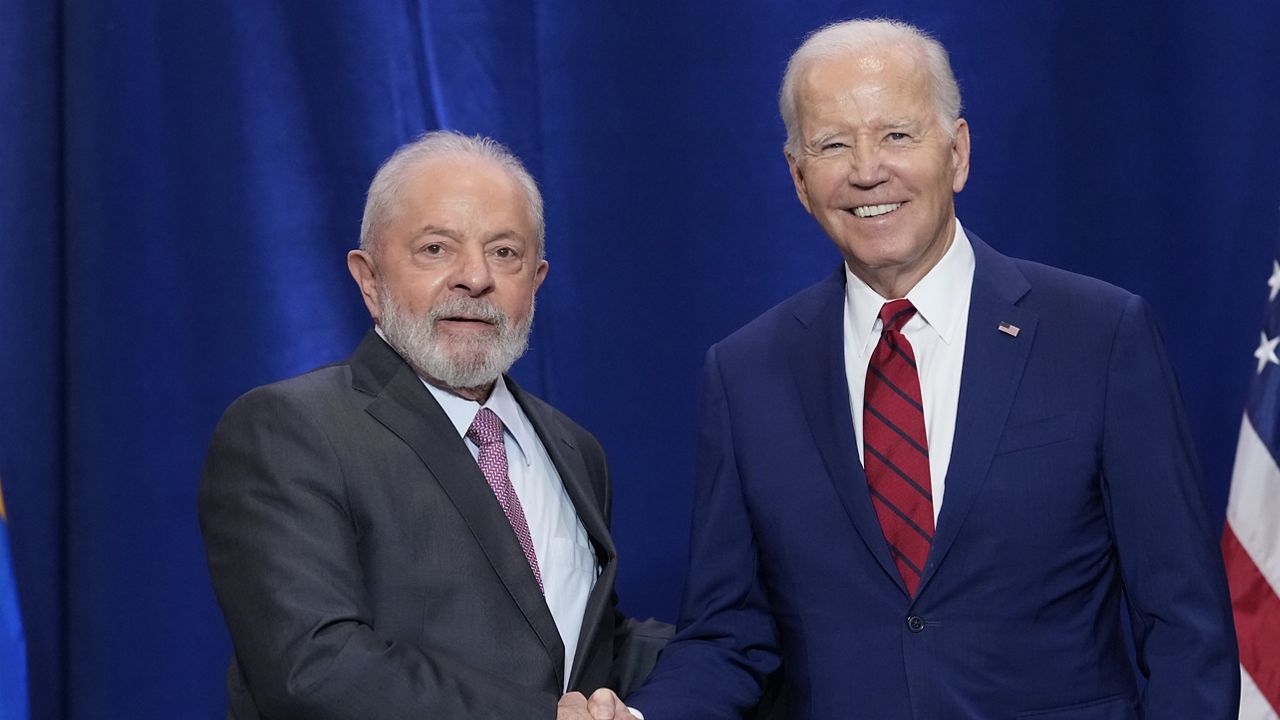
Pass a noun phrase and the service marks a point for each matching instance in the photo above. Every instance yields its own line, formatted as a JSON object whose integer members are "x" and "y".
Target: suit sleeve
{"x": 283, "y": 554}
{"x": 725, "y": 643}
{"x": 1168, "y": 551}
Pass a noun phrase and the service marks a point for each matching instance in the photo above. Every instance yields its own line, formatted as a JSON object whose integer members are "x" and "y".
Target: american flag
{"x": 1251, "y": 538}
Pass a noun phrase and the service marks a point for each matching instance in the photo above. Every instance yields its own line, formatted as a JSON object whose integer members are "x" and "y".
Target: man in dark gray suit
{"x": 408, "y": 533}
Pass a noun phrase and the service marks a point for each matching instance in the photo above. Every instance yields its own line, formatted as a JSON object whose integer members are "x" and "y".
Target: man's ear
{"x": 365, "y": 273}
{"x": 960, "y": 156}
{"x": 797, "y": 177}
{"x": 540, "y": 274}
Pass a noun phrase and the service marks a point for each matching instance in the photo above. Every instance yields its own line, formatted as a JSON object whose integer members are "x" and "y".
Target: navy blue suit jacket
{"x": 1073, "y": 492}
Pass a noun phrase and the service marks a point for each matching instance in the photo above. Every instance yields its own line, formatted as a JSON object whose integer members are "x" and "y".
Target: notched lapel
{"x": 406, "y": 408}
{"x": 569, "y": 464}
{"x": 817, "y": 366}
{"x": 994, "y": 360}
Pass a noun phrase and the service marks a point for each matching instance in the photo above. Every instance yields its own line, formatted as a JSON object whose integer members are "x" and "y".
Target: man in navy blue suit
{"x": 932, "y": 485}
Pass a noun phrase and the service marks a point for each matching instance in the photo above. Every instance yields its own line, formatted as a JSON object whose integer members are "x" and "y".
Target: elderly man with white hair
{"x": 408, "y": 534}
{"x": 934, "y": 485}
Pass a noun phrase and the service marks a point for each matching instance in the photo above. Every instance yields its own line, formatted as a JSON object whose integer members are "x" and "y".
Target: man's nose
{"x": 472, "y": 274}
{"x": 866, "y": 166}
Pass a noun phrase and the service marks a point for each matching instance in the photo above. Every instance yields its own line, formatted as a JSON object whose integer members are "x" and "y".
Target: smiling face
{"x": 875, "y": 168}
{"x": 452, "y": 274}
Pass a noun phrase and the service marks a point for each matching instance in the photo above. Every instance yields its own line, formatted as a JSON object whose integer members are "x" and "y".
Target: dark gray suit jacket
{"x": 365, "y": 569}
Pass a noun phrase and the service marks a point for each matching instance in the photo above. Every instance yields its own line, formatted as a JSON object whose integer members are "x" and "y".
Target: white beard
{"x": 455, "y": 362}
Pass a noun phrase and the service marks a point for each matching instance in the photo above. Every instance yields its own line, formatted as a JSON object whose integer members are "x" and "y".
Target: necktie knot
{"x": 895, "y": 313}
{"x": 486, "y": 428}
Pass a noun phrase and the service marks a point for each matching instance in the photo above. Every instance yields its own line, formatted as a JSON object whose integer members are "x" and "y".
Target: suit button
{"x": 915, "y": 623}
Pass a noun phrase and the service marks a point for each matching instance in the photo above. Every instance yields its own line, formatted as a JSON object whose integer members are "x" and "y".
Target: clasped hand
{"x": 603, "y": 705}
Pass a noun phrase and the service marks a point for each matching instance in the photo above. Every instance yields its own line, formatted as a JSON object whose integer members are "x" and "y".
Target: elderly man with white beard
{"x": 408, "y": 533}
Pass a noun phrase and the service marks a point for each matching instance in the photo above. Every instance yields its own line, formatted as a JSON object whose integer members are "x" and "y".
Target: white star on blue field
{"x": 1263, "y": 404}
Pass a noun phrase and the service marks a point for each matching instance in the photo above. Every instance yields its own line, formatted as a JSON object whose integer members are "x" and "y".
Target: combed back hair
{"x": 384, "y": 192}
{"x": 852, "y": 37}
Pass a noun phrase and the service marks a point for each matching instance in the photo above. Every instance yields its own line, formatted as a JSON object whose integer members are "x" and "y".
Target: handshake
{"x": 603, "y": 705}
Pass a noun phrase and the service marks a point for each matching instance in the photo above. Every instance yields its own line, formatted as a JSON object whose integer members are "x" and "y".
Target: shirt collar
{"x": 936, "y": 297}
{"x": 462, "y": 412}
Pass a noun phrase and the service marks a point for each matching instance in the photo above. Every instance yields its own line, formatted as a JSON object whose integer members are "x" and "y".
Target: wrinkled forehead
{"x": 452, "y": 187}
{"x": 890, "y": 75}
{"x": 888, "y": 65}
{"x": 463, "y": 180}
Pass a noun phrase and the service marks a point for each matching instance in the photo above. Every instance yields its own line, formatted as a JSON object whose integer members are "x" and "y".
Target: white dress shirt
{"x": 565, "y": 556}
{"x": 936, "y": 333}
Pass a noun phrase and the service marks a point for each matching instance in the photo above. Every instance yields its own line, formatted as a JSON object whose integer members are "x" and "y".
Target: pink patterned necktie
{"x": 486, "y": 433}
{"x": 895, "y": 449}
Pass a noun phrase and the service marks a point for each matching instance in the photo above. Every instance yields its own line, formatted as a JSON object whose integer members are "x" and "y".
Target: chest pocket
{"x": 1037, "y": 433}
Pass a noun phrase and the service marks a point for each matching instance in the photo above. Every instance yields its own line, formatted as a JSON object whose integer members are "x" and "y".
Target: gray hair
{"x": 856, "y": 36}
{"x": 384, "y": 191}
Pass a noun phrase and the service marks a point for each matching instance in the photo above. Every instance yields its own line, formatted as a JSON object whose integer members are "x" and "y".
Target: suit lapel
{"x": 405, "y": 407}
{"x": 573, "y": 474}
{"x": 993, "y": 366}
{"x": 817, "y": 366}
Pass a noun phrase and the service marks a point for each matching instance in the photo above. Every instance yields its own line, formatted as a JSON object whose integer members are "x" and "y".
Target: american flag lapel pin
{"x": 1009, "y": 329}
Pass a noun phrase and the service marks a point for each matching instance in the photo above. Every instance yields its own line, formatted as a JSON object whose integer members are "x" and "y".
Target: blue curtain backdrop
{"x": 179, "y": 182}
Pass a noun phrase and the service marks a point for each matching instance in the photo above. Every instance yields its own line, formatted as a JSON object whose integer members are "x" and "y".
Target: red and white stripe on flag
{"x": 1251, "y": 549}
{"x": 1251, "y": 538}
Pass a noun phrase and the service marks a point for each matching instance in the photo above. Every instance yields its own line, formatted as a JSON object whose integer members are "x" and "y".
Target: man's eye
{"x": 898, "y": 137}
{"x": 833, "y": 146}
{"x": 433, "y": 249}
{"x": 505, "y": 252}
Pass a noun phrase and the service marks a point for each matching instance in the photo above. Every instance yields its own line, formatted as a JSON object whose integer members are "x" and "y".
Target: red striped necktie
{"x": 895, "y": 449}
